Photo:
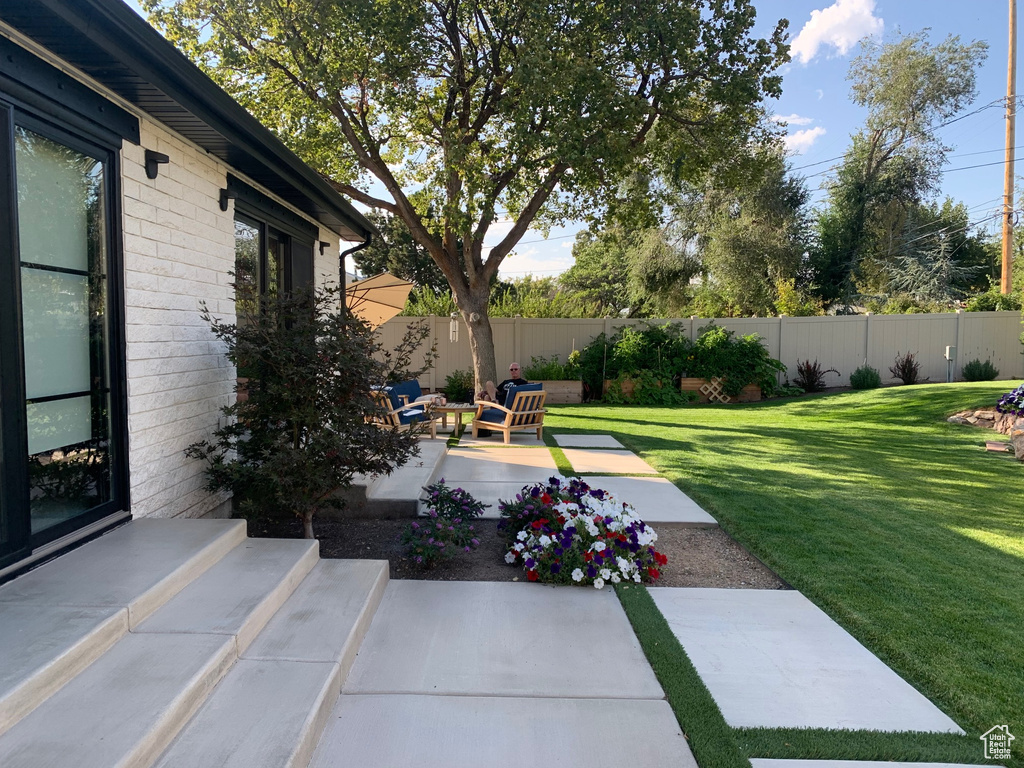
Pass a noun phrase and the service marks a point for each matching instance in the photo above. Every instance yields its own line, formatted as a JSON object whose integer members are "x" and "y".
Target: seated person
{"x": 498, "y": 394}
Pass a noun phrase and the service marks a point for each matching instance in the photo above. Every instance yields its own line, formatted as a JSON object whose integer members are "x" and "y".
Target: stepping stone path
{"x": 587, "y": 441}
{"x": 655, "y": 499}
{"x": 772, "y": 659}
{"x": 616, "y": 462}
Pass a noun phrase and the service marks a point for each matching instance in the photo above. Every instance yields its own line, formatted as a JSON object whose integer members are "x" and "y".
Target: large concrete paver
{"x": 497, "y": 464}
{"x": 656, "y": 499}
{"x": 473, "y": 732}
{"x": 501, "y": 639}
{"x": 771, "y": 658}
{"x": 618, "y": 462}
{"x": 587, "y": 441}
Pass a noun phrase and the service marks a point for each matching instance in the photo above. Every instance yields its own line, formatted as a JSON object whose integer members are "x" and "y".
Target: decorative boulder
{"x": 1017, "y": 439}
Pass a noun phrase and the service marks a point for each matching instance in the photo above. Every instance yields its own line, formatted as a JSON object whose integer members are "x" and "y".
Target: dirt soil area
{"x": 697, "y": 557}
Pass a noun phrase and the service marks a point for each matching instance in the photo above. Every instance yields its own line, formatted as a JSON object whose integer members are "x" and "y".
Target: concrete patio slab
{"x": 587, "y": 441}
{"x": 521, "y": 439}
{"x": 511, "y": 464}
{"x": 412, "y": 476}
{"x": 470, "y": 732}
{"x": 764, "y": 762}
{"x": 139, "y": 565}
{"x": 656, "y": 499}
{"x": 771, "y": 658}
{"x": 618, "y": 462}
{"x": 501, "y": 639}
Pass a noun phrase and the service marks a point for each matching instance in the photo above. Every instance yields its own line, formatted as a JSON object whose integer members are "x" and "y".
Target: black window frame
{"x": 49, "y": 115}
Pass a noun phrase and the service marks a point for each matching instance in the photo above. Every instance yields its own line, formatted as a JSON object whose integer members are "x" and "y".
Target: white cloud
{"x": 840, "y": 25}
{"x": 821, "y": 94}
{"x": 801, "y": 141}
{"x": 793, "y": 119}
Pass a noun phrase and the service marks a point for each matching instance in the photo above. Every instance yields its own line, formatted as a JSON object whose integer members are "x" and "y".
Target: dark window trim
{"x": 254, "y": 204}
{"x": 45, "y": 117}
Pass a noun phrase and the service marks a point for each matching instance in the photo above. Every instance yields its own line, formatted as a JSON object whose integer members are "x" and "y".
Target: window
{"x": 62, "y": 417}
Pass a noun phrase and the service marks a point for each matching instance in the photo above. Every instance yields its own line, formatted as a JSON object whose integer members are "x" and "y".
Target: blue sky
{"x": 821, "y": 118}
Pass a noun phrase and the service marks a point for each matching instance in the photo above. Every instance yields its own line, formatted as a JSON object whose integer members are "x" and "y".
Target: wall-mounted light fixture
{"x": 226, "y": 195}
{"x": 324, "y": 245}
{"x": 453, "y": 328}
{"x": 153, "y": 162}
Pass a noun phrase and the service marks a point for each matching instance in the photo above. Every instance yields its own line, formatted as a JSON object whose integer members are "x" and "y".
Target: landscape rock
{"x": 957, "y": 419}
{"x": 1017, "y": 440}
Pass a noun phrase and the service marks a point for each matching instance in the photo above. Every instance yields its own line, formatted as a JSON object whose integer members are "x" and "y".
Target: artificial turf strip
{"x": 826, "y": 744}
{"x": 896, "y": 523}
{"x": 711, "y": 740}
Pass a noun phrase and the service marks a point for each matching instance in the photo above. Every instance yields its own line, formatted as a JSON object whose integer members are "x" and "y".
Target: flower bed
{"x": 565, "y": 532}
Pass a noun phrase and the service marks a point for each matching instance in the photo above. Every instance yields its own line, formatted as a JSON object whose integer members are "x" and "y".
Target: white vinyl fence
{"x": 844, "y": 343}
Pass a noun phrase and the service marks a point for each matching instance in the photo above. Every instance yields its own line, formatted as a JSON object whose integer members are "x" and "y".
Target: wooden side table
{"x": 456, "y": 410}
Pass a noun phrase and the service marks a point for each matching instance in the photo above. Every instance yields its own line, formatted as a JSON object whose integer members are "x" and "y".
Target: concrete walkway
{"x": 497, "y": 674}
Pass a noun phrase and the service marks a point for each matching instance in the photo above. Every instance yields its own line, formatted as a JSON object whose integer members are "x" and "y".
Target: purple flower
{"x": 591, "y": 571}
{"x": 467, "y": 549}
{"x": 530, "y": 562}
{"x": 415, "y": 525}
{"x": 556, "y": 567}
{"x": 476, "y": 542}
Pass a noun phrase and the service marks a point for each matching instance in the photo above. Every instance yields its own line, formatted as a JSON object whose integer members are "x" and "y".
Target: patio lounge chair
{"x": 404, "y": 416}
{"x": 523, "y": 410}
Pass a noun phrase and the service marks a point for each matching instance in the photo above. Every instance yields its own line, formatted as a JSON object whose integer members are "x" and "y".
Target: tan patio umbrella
{"x": 377, "y": 299}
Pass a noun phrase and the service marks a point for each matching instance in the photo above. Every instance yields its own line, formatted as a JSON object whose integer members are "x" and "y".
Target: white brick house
{"x": 128, "y": 184}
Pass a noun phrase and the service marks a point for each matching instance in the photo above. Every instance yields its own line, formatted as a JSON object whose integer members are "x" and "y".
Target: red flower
{"x": 588, "y": 556}
{"x": 538, "y": 524}
{"x": 531, "y": 575}
{"x": 546, "y": 498}
{"x": 654, "y": 572}
{"x": 660, "y": 559}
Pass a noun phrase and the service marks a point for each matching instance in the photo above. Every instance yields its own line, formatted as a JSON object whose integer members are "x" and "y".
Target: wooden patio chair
{"x": 403, "y": 417}
{"x": 526, "y": 412}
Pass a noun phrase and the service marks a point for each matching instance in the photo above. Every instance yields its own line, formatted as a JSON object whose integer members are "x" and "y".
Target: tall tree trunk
{"x": 481, "y": 339}
{"x": 307, "y": 525}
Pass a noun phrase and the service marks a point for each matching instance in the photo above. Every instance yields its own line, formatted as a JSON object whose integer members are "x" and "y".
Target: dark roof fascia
{"x": 124, "y": 36}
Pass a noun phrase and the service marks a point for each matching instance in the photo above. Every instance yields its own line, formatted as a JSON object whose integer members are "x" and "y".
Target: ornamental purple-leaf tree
{"x": 458, "y": 114}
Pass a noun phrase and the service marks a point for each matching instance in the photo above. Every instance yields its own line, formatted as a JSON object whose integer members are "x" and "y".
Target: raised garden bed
{"x": 711, "y": 391}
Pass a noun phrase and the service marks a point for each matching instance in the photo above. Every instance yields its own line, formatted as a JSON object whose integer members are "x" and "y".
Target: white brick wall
{"x": 178, "y": 250}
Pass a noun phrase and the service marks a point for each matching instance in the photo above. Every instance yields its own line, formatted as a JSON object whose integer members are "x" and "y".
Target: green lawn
{"x": 897, "y": 524}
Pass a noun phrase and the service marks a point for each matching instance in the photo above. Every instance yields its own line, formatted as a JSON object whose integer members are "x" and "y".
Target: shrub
{"x": 447, "y": 527}
{"x": 810, "y": 377}
{"x": 1012, "y": 402}
{"x": 564, "y": 532}
{"x": 865, "y": 377}
{"x": 458, "y": 386}
{"x": 906, "y": 368}
{"x": 301, "y": 432}
{"x": 545, "y": 369}
{"x": 738, "y": 362}
{"x": 647, "y": 388}
{"x": 976, "y": 370}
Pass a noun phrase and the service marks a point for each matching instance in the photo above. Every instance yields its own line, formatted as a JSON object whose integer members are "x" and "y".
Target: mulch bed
{"x": 697, "y": 557}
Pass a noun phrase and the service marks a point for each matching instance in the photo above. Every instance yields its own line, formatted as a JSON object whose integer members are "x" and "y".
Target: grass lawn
{"x": 899, "y": 525}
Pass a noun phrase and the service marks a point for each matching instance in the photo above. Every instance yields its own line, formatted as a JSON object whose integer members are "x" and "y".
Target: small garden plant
{"x": 976, "y": 370}
{"x": 551, "y": 369}
{"x": 458, "y": 387}
{"x": 1012, "y": 402}
{"x": 565, "y": 532}
{"x": 447, "y": 528}
{"x": 906, "y": 368}
{"x": 865, "y": 377}
{"x": 810, "y": 377}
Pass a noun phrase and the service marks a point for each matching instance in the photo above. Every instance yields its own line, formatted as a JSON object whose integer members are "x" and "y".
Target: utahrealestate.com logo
{"x": 997, "y": 742}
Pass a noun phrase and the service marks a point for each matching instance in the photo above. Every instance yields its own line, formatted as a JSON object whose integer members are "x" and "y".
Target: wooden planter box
{"x": 626, "y": 385}
{"x": 562, "y": 392}
{"x": 749, "y": 394}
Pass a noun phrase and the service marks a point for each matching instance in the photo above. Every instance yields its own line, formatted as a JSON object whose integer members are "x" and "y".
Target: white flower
{"x": 636, "y": 577}
{"x": 624, "y": 565}
{"x": 522, "y": 535}
{"x": 615, "y": 578}
{"x": 519, "y": 546}
{"x": 598, "y": 583}
{"x": 577, "y": 575}
{"x": 510, "y": 557}
{"x": 606, "y": 574}
{"x": 544, "y": 540}
{"x": 599, "y": 546}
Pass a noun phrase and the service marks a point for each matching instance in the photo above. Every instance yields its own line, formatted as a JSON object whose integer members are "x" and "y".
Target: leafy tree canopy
{"x": 453, "y": 113}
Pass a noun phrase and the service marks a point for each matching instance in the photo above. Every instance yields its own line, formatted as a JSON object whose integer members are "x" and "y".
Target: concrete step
{"x": 58, "y": 619}
{"x": 125, "y": 708}
{"x": 272, "y": 707}
{"x": 239, "y": 594}
{"x": 396, "y": 495}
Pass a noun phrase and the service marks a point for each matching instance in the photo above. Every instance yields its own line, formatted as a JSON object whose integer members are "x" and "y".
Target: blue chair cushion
{"x": 411, "y": 416}
{"x": 410, "y": 389}
{"x": 521, "y": 388}
{"x": 492, "y": 415}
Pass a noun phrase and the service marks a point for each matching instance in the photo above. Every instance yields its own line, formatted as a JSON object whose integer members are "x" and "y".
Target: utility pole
{"x": 1006, "y": 284}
